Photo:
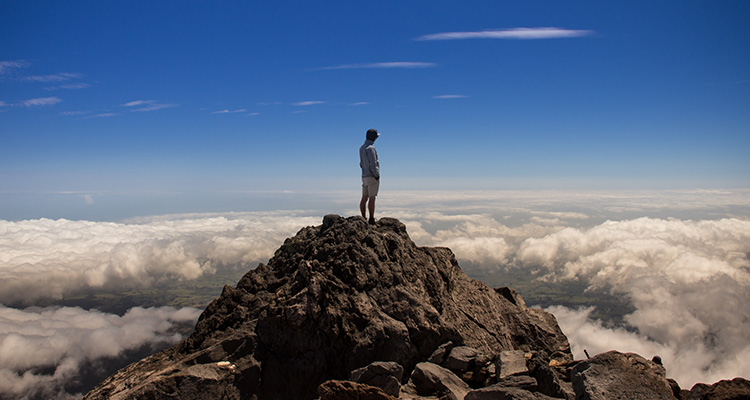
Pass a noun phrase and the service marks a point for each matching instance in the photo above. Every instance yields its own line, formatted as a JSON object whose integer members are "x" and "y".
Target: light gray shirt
{"x": 368, "y": 160}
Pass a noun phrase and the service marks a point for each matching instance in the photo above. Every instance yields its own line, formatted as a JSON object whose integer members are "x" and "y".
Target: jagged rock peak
{"x": 332, "y": 299}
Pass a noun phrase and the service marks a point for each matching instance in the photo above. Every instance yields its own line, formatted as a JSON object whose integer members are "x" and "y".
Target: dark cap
{"x": 372, "y": 134}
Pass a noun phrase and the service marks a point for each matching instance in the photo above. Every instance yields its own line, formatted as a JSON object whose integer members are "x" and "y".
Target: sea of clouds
{"x": 680, "y": 258}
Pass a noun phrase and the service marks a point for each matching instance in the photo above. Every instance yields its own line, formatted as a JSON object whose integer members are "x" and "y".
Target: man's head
{"x": 372, "y": 134}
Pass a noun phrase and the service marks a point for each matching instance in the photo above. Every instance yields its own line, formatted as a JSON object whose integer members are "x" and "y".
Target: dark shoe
{"x": 371, "y": 221}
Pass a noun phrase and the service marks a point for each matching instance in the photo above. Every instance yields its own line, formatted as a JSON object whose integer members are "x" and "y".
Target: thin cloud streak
{"x": 42, "y": 101}
{"x": 229, "y": 111}
{"x": 6, "y": 66}
{"x": 450, "y": 96}
{"x": 384, "y": 65}
{"x": 308, "y": 103}
{"x": 147, "y": 105}
{"x": 61, "y": 77}
{"x": 74, "y": 86}
{"x": 514, "y": 33}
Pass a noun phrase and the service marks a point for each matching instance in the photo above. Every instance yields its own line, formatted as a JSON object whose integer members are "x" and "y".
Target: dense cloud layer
{"x": 689, "y": 281}
{"x": 687, "y": 278}
{"x": 46, "y": 258}
{"x": 686, "y": 365}
{"x": 43, "y": 350}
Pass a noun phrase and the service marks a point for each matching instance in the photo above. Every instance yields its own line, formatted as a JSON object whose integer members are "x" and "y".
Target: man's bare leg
{"x": 371, "y": 207}
{"x": 363, "y": 205}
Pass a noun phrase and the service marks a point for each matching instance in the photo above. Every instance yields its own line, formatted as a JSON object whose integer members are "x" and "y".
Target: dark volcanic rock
{"x": 735, "y": 389}
{"x": 381, "y": 374}
{"x": 615, "y": 375}
{"x": 346, "y": 390}
{"x": 333, "y": 299}
{"x": 431, "y": 379}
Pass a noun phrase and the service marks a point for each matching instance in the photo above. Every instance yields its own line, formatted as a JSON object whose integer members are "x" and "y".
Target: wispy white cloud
{"x": 359, "y": 103}
{"x": 101, "y": 115}
{"x": 87, "y": 114}
{"x": 514, "y": 33}
{"x": 147, "y": 105}
{"x": 7, "y": 66}
{"x": 308, "y": 103}
{"x": 450, "y": 96}
{"x": 81, "y": 85}
{"x": 229, "y": 111}
{"x": 397, "y": 64}
{"x": 42, "y": 101}
{"x": 61, "y": 77}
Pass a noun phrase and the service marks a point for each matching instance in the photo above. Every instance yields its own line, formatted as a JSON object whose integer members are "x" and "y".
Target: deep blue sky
{"x": 138, "y": 98}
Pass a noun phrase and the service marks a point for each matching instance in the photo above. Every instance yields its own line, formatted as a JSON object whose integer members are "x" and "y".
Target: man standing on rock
{"x": 368, "y": 161}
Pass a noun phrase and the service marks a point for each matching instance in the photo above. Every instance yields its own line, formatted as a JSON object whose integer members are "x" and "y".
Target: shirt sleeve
{"x": 372, "y": 156}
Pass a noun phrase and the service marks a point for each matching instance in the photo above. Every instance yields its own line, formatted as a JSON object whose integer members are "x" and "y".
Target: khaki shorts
{"x": 370, "y": 186}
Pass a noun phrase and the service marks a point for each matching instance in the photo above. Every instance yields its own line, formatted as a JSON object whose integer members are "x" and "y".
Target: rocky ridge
{"x": 347, "y": 310}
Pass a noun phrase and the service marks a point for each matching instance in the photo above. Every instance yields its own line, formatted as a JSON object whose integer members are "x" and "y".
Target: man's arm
{"x": 372, "y": 157}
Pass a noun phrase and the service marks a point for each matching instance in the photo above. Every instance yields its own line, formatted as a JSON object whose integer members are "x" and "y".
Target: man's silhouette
{"x": 368, "y": 161}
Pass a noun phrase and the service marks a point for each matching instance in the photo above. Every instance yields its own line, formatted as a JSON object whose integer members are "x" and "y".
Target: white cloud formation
{"x": 147, "y": 105}
{"x": 384, "y": 65}
{"x": 61, "y": 339}
{"x": 7, "y": 66}
{"x": 308, "y": 103}
{"x": 689, "y": 282}
{"x": 515, "y": 33}
{"x": 43, "y": 101}
{"x": 61, "y": 77}
{"x": 101, "y": 115}
{"x": 74, "y": 113}
{"x": 229, "y": 111}
{"x": 81, "y": 85}
{"x": 686, "y": 365}
{"x": 46, "y": 258}
{"x": 450, "y": 96}
{"x": 688, "y": 279}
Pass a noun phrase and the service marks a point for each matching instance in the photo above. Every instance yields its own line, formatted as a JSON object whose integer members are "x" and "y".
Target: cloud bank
{"x": 42, "y": 351}
{"x": 687, "y": 279}
{"x": 49, "y": 258}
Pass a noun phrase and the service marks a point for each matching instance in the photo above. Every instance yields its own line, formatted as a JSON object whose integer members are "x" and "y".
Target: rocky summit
{"x": 349, "y": 310}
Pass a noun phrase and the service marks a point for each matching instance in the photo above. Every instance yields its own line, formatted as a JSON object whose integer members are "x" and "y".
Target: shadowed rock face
{"x": 332, "y": 299}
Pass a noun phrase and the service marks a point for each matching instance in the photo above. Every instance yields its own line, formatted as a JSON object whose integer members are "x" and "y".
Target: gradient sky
{"x": 135, "y": 101}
